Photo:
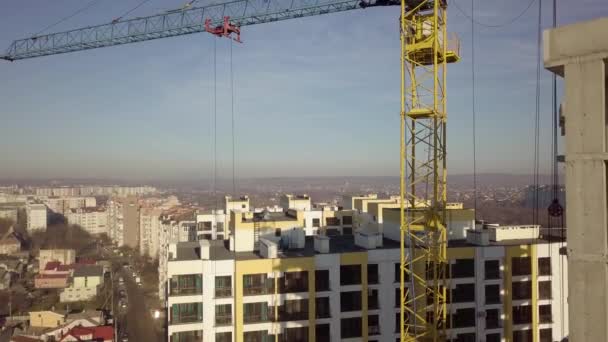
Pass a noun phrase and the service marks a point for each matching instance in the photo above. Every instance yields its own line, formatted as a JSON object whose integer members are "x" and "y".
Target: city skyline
{"x": 68, "y": 116}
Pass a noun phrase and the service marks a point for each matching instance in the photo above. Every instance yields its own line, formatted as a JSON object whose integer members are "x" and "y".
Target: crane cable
{"x": 474, "y": 114}
{"x": 506, "y": 23}
{"x": 70, "y": 16}
{"x": 215, "y": 123}
{"x": 537, "y": 119}
{"x": 131, "y": 10}
{"x": 232, "y": 122}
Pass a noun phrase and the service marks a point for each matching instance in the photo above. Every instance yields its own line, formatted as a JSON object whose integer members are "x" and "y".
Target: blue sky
{"x": 314, "y": 96}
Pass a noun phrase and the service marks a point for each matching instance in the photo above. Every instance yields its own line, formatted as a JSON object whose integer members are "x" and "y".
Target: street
{"x": 137, "y": 320}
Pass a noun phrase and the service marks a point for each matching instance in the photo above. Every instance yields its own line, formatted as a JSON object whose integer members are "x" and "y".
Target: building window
{"x": 463, "y": 268}
{"x": 522, "y": 314}
{"x": 521, "y": 266}
{"x": 398, "y": 274}
{"x": 372, "y": 273}
{"x": 316, "y": 222}
{"x": 522, "y": 336}
{"x": 522, "y": 290}
{"x": 292, "y": 282}
{"x": 223, "y": 314}
{"x": 492, "y": 319}
{"x": 186, "y": 313}
{"x": 373, "y": 325}
{"x": 350, "y": 275}
{"x": 546, "y": 335}
{"x": 223, "y": 337}
{"x": 256, "y": 312}
{"x": 544, "y": 313}
{"x": 187, "y": 336}
{"x": 544, "y": 266}
{"x": 372, "y": 299}
{"x": 187, "y": 284}
{"x": 277, "y": 232}
{"x": 468, "y": 337}
{"x": 492, "y": 294}
{"x": 350, "y": 301}
{"x": 351, "y": 327}
{"x": 463, "y": 318}
{"x": 322, "y": 307}
{"x": 293, "y": 310}
{"x": 332, "y": 221}
{"x": 347, "y": 220}
{"x": 257, "y": 336}
{"x": 322, "y": 333}
{"x": 219, "y": 227}
{"x": 544, "y": 289}
{"x": 492, "y": 269}
{"x": 257, "y": 284}
{"x": 463, "y": 293}
{"x": 347, "y": 231}
{"x": 493, "y": 337}
{"x": 294, "y": 335}
{"x": 223, "y": 286}
{"x": 321, "y": 280}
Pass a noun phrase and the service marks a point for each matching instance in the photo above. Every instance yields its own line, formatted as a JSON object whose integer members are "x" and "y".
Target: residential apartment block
{"x": 277, "y": 284}
{"x": 37, "y": 215}
{"x": 92, "y": 220}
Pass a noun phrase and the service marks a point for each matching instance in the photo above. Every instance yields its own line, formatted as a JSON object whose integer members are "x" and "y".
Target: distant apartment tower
{"x": 131, "y": 221}
{"x": 36, "y": 217}
{"x": 9, "y": 213}
{"x": 92, "y": 220}
{"x": 149, "y": 231}
{"x": 348, "y": 201}
{"x": 298, "y": 202}
{"x": 115, "y": 221}
{"x": 236, "y": 203}
{"x": 63, "y": 205}
{"x": 212, "y": 225}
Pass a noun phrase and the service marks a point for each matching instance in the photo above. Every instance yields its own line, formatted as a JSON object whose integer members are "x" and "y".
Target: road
{"x": 136, "y": 320}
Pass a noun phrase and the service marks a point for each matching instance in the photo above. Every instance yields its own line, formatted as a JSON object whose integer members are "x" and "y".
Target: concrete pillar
{"x": 578, "y": 52}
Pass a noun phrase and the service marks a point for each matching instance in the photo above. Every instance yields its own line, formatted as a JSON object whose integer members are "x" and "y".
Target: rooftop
{"x": 267, "y": 216}
{"x": 219, "y": 250}
{"x": 88, "y": 271}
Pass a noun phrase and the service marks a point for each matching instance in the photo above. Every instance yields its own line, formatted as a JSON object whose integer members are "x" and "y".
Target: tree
{"x": 5, "y": 225}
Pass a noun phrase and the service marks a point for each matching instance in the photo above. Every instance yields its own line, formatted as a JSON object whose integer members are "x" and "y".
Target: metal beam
{"x": 177, "y": 23}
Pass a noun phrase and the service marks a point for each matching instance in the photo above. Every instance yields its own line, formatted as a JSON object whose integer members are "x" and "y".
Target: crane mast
{"x": 425, "y": 53}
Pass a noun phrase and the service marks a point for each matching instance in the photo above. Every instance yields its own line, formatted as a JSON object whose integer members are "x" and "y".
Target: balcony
{"x": 256, "y": 318}
{"x": 256, "y": 312}
{"x": 322, "y": 280}
{"x": 223, "y": 292}
{"x": 186, "y": 285}
{"x": 223, "y": 320}
{"x": 293, "y": 282}
{"x": 322, "y": 308}
{"x": 186, "y": 313}
{"x": 257, "y": 284}
{"x": 285, "y": 316}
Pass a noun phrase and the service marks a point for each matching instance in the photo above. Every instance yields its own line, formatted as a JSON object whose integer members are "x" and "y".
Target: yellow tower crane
{"x": 425, "y": 53}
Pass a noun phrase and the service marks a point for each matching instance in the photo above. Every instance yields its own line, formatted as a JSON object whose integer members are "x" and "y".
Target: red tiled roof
{"x": 98, "y": 333}
{"x": 51, "y": 265}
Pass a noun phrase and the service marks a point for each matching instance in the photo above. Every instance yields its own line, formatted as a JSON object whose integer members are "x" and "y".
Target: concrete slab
{"x": 580, "y": 41}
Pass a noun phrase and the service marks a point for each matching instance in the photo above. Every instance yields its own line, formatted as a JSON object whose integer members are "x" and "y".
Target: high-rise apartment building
{"x": 37, "y": 215}
{"x": 93, "y": 220}
{"x": 115, "y": 220}
{"x": 149, "y": 231}
{"x": 130, "y": 214}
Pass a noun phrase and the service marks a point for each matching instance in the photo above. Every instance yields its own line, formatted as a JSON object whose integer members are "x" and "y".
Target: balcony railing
{"x": 183, "y": 319}
{"x": 374, "y": 330}
{"x": 257, "y": 290}
{"x": 292, "y": 316}
{"x": 323, "y": 312}
{"x": 223, "y": 320}
{"x": 186, "y": 291}
{"x": 258, "y": 318}
{"x": 221, "y": 292}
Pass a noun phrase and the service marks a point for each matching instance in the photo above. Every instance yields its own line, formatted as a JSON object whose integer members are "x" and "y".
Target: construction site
{"x": 457, "y": 278}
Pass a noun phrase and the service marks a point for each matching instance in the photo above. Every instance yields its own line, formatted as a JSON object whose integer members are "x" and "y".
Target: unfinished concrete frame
{"x": 578, "y": 53}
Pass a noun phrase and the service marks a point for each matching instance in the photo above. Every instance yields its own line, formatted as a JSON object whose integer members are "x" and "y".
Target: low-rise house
{"x": 10, "y": 245}
{"x": 84, "y": 319}
{"x": 46, "y": 319}
{"x": 64, "y": 256}
{"x": 101, "y": 334}
{"x": 86, "y": 281}
{"x": 56, "y": 268}
{"x": 51, "y": 281}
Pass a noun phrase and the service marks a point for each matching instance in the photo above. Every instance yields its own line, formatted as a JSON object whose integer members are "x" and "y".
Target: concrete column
{"x": 578, "y": 53}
